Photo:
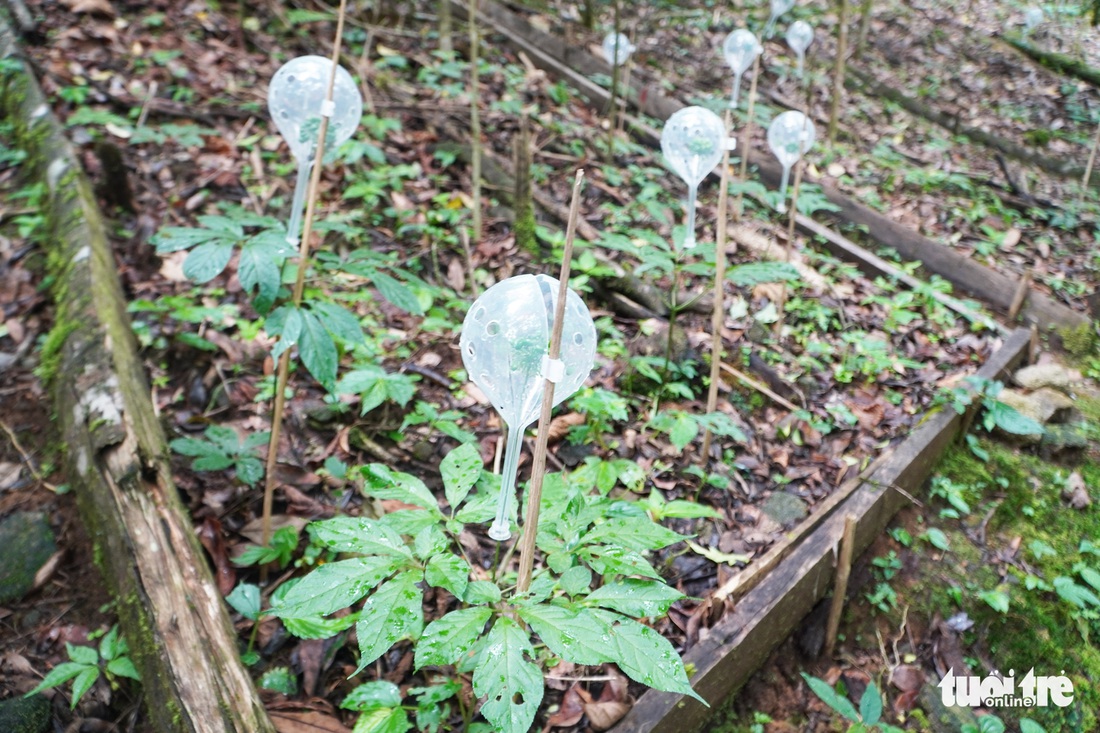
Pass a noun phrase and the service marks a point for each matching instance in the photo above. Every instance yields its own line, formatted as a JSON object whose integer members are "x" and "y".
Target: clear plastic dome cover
{"x": 790, "y": 136}
{"x": 693, "y": 141}
{"x": 505, "y": 338}
{"x": 740, "y": 49}
{"x": 1032, "y": 18}
{"x": 779, "y": 7}
{"x": 799, "y": 36}
{"x": 295, "y": 98}
{"x": 622, "y": 54}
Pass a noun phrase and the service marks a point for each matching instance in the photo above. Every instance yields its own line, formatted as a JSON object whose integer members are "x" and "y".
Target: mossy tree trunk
{"x": 145, "y": 546}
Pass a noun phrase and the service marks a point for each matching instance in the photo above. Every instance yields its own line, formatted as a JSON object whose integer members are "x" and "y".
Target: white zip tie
{"x": 553, "y": 370}
{"x": 730, "y": 143}
{"x": 328, "y": 108}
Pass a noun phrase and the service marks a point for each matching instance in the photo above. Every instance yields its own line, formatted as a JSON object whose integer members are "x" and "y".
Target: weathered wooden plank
{"x": 169, "y": 607}
{"x": 726, "y": 658}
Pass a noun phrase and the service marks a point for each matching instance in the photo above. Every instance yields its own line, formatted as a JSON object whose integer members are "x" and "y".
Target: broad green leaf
{"x": 1040, "y": 549}
{"x": 397, "y": 293}
{"x": 195, "y": 447}
{"x": 638, "y": 598}
{"x": 245, "y": 600}
{"x": 249, "y": 470}
{"x": 335, "y": 586}
{"x": 633, "y": 533}
{"x": 375, "y": 385}
{"x": 318, "y": 627}
{"x": 755, "y": 273}
{"x": 646, "y": 656}
{"x": 683, "y": 431}
{"x": 512, "y": 685}
{"x": 936, "y": 538}
{"x": 1011, "y": 420}
{"x": 408, "y": 522}
{"x": 173, "y": 239}
{"x": 1091, "y": 577}
{"x": 1074, "y": 593}
{"x": 991, "y": 724}
{"x": 59, "y": 675}
{"x": 358, "y": 534}
{"x": 446, "y": 640}
{"x": 109, "y": 646}
{"x": 431, "y": 541}
{"x": 207, "y": 261}
{"x": 279, "y": 679}
{"x": 82, "y": 683}
{"x": 123, "y": 667}
{"x": 481, "y": 592}
{"x": 448, "y": 571}
{"x": 259, "y": 265}
{"x": 82, "y": 654}
{"x": 870, "y": 705}
{"x": 1027, "y": 725}
{"x": 286, "y": 323}
{"x": 318, "y": 351}
{"x": 680, "y": 509}
{"x": 575, "y": 636}
{"x": 394, "y": 612}
{"x": 338, "y": 321}
{"x": 831, "y": 697}
{"x": 611, "y": 560}
{"x": 998, "y": 600}
{"x": 382, "y": 482}
{"x": 373, "y": 694}
{"x": 461, "y": 469}
{"x": 383, "y": 720}
{"x": 576, "y": 580}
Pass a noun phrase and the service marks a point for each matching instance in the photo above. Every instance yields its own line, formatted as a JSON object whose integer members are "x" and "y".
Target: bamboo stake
{"x": 718, "y": 316}
{"x": 613, "y": 104}
{"x": 843, "y": 570}
{"x": 538, "y": 466}
{"x": 746, "y": 141}
{"x": 283, "y": 372}
{"x": 475, "y": 124}
{"x": 838, "y": 73}
{"x": 759, "y": 387}
{"x": 790, "y": 240}
{"x": 1088, "y": 168}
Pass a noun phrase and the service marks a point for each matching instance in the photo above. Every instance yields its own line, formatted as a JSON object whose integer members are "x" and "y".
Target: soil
{"x": 862, "y": 368}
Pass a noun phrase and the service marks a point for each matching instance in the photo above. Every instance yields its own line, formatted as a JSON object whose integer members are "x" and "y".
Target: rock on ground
{"x": 31, "y": 533}
{"x": 25, "y": 715}
{"x": 1038, "y": 376}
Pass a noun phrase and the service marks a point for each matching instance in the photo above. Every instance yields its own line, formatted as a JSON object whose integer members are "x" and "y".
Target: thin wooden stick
{"x": 1088, "y": 168}
{"x": 746, "y": 141}
{"x": 843, "y": 570}
{"x": 1020, "y": 296}
{"x": 758, "y": 386}
{"x": 838, "y": 71}
{"x": 718, "y": 317}
{"x": 475, "y": 124}
{"x": 538, "y": 466}
{"x": 798, "y": 168}
{"x": 299, "y": 285}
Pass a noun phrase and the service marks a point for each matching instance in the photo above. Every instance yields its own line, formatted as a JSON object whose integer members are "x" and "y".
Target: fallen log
{"x": 1055, "y": 61}
{"x": 168, "y": 606}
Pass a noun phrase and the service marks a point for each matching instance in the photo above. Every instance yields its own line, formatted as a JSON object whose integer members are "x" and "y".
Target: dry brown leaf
{"x": 561, "y": 425}
{"x": 96, "y": 7}
{"x": 1075, "y": 492}
{"x": 907, "y": 678}
{"x": 572, "y": 708}
{"x": 307, "y": 722}
{"x": 456, "y": 275}
{"x": 604, "y": 715}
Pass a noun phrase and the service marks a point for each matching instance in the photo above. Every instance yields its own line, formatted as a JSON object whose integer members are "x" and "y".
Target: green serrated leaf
{"x": 755, "y": 273}
{"x": 318, "y": 351}
{"x": 461, "y": 468}
{"x": 82, "y": 654}
{"x": 575, "y": 636}
{"x": 207, "y": 261}
{"x": 446, "y": 640}
{"x": 397, "y": 293}
{"x": 279, "y": 679}
{"x": 108, "y": 645}
{"x": 1074, "y": 593}
{"x": 394, "y": 612}
{"x": 576, "y": 580}
{"x": 335, "y": 586}
{"x": 358, "y": 534}
{"x": 259, "y": 267}
{"x": 633, "y": 533}
{"x": 998, "y": 600}
{"x": 1011, "y": 420}
{"x": 683, "y": 431}
{"x": 373, "y": 694}
{"x": 448, "y": 571}
{"x": 870, "y": 705}
{"x": 936, "y": 538}
{"x": 831, "y": 697}
{"x": 59, "y": 675}
{"x": 245, "y": 600}
{"x": 511, "y": 684}
{"x": 82, "y": 683}
{"x": 318, "y": 627}
{"x": 338, "y": 321}
{"x": 123, "y": 667}
{"x": 1027, "y": 725}
{"x": 612, "y": 560}
{"x": 383, "y": 720}
{"x": 382, "y": 482}
{"x": 646, "y": 656}
{"x": 408, "y": 522}
{"x": 481, "y": 592}
{"x": 1090, "y": 576}
{"x": 638, "y": 598}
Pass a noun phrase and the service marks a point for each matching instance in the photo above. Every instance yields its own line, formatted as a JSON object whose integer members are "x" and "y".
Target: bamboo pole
{"x": 838, "y": 73}
{"x": 840, "y": 589}
{"x": 283, "y": 372}
{"x": 538, "y": 466}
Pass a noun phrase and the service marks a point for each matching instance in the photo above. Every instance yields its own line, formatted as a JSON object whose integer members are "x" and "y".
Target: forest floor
{"x": 166, "y": 103}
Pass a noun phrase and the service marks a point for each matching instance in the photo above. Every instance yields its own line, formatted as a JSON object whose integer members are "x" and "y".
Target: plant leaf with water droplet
{"x": 334, "y": 586}
{"x": 575, "y": 636}
{"x": 646, "y": 656}
{"x": 612, "y": 560}
{"x": 393, "y": 613}
{"x": 512, "y": 685}
{"x": 448, "y": 571}
{"x": 382, "y": 482}
{"x": 383, "y": 720}
{"x": 633, "y": 533}
{"x": 446, "y": 639}
{"x": 638, "y": 598}
{"x": 360, "y": 535}
{"x": 461, "y": 469}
